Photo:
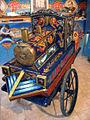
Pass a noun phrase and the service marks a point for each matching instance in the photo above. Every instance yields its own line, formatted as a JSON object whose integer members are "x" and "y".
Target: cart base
{"x": 39, "y": 99}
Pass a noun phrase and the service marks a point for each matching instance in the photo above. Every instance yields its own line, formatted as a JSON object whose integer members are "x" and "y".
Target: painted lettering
{"x": 58, "y": 69}
{"x": 62, "y": 64}
{"x": 53, "y": 77}
{"x": 70, "y": 53}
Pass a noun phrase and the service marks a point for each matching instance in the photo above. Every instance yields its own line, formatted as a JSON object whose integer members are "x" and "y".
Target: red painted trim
{"x": 52, "y": 87}
{"x": 25, "y": 96}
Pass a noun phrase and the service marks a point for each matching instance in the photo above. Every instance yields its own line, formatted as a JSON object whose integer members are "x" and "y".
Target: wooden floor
{"x": 24, "y": 110}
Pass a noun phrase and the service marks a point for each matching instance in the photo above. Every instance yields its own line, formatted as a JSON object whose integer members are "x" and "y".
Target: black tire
{"x": 70, "y": 89}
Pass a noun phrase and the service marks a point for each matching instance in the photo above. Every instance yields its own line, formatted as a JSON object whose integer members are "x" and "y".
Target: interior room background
{"x": 16, "y": 14}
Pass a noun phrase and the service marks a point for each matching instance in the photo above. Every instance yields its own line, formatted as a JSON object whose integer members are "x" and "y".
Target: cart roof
{"x": 48, "y": 12}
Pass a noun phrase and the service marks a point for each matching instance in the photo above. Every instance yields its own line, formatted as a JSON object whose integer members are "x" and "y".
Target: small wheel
{"x": 69, "y": 92}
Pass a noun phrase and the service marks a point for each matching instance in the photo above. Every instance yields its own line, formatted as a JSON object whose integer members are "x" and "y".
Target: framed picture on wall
{"x": 3, "y": 7}
{"x": 38, "y": 4}
{"x": 15, "y": 7}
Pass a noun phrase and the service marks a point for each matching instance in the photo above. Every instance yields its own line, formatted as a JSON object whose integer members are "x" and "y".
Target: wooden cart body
{"x": 41, "y": 81}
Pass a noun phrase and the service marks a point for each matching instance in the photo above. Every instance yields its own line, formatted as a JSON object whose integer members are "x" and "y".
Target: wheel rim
{"x": 69, "y": 96}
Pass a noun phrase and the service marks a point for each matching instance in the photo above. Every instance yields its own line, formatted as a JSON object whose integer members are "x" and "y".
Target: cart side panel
{"x": 61, "y": 67}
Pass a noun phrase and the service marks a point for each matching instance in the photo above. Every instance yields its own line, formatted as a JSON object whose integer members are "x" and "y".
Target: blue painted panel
{"x": 87, "y": 50}
{"x": 25, "y": 86}
{"x": 27, "y": 90}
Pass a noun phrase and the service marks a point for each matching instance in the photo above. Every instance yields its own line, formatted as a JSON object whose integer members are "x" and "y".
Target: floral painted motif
{"x": 57, "y": 6}
{"x": 14, "y": 5}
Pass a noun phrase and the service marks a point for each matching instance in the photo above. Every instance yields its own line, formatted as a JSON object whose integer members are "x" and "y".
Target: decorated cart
{"x": 42, "y": 63}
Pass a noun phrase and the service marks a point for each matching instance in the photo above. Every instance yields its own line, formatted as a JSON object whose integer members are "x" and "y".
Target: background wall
{"x": 16, "y": 13}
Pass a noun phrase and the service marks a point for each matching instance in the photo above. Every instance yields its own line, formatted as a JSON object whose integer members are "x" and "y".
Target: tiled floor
{"x": 24, "y": 110}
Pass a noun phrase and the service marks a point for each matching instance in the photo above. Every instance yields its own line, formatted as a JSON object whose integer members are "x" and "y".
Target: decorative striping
{"x": 25, "y": 86}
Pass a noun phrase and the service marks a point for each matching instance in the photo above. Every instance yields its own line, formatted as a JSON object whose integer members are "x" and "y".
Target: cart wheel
{"x": 69, "y": 92}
